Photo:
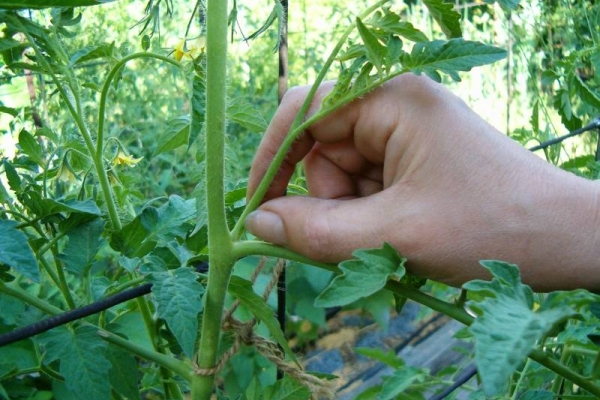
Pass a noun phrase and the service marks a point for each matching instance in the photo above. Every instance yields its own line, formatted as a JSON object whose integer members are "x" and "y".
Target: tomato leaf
{"x": 89, "y": 53}
{"x": 507, "y": 328}
{"x": 375, "y": 51}
{"x": 399, "y": 381}
{"x": 584, "y": 92}
{"x": 389, "y": 22}
{"x": 363, "y": 276}
{"x": 247, "y": 116}
{"x": 30, "y": 146}
{"x": 83, "y": 361}
{"x": 124, "y": 373}
{"x": 176, "y": 135}
{"x": 390, "y": 358}
{"x": 84, "y": 242}
{"x": 447, "y": 18}
{"x": 242, "y": 290}
{"x": 449, "y": 57}
{"x": 287, "y": 389}
{"x": 178, "y": 298}
{"x": 15, "y": 251}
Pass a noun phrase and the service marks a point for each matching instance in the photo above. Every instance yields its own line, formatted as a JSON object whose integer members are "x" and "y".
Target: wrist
{"x": 561, "y": 237}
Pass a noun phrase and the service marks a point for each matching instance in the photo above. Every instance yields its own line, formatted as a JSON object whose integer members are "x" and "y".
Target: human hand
{"x": 412, "y": 165}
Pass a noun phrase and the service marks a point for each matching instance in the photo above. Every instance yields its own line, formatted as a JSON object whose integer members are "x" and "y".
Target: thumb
{"x": 321, "y": 229}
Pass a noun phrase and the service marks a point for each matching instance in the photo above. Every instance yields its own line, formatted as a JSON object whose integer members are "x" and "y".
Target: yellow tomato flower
{"x": 124, "y": 159}
{"x": 194, "y": 50}
{"x": 180, "y": 50}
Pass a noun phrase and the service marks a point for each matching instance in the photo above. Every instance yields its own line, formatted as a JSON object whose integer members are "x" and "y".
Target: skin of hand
{"x": 411, "y": 164}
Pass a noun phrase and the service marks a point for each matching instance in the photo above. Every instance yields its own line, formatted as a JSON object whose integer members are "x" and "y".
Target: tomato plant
{"x": 74, "y": 232}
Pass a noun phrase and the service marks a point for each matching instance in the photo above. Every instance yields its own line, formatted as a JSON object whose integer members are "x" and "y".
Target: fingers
{"x": 276, "y": 133}
{"x": 321, "y": 229}
{"x": 367, "y": 123}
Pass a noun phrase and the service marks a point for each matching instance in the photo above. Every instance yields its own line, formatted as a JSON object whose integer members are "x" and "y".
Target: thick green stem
{"x": 219, "y": 241}
{"x": 298, "y": 127}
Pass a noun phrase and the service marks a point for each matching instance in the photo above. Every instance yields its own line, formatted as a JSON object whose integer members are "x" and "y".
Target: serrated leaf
{"x": 123, "y": 373}
{"x": 450, "y": 56}
{"x": 375, "y": 51}
{"x": 132, "y": 240}
{"x": 84, "y": 242}
{"x": 242, "y": 290}
{"x": 176, "y": 135}
{"x": 44, "y": 207}
{"x": 584, "y": 92}
{"x": 287, "y": 389}
{"x": 178, "y": 298}
{"x": 18, "y": 356}
{"x": 169, "y": 221}
{"x": 89, "y": 53}
{"x": 247, "y": 116}
{"x": 507, "y": 328}
{"x": 15, "y": 251}
{"x": 389, "y": 22}
{"x": 562, "y": 104}
{"x": 390, "y": 358}
{"x": 14, "y": 180}
{"x": 447, "y": 18}
{"x": 362, "y": 276}
{"x": 83, "y": 361}
{"x": 30, "y": 146}
{"x": 277, "y": 14}
{"x": 399, "y": 381}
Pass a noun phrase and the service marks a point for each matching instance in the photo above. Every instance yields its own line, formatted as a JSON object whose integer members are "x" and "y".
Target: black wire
{"x": 595, "y": 124}
{"x": 72, "y": 315}
{"x": 463, "y": 377}
{"x": 81, "y": 312}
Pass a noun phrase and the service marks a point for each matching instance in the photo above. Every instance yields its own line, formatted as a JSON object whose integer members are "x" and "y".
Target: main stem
{"x": 219, "y": 241}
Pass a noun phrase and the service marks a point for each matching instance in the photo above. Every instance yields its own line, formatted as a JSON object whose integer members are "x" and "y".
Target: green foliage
{"x": 449, "y": 57}
{"x": 444, "y": 14}
{"x": 15, "y": 251}
{"x": 507, "y": 328}
{"x": 178, "y": 301}
{"x": 363, "y": 276}
{"x": 83, "y": 360}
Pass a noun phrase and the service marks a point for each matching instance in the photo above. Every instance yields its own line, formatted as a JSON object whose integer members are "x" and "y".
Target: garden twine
{"x": 244, "y": 334}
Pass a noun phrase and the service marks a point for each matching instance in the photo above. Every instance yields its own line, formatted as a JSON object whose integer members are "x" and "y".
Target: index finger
{"x": 370, "y": 121}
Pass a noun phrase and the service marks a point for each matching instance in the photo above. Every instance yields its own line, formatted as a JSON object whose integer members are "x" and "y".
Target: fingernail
{"x": 267, "y": 226}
